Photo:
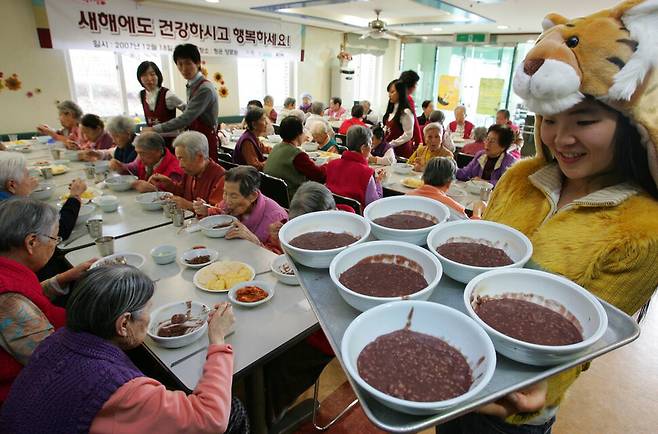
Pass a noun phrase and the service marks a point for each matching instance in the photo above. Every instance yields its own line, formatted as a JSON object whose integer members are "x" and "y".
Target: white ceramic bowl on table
{"x": 163, "y": 255}
{"x": 120, "y": 182}
{"x": 165, "y": 312}
{"x": 475, "y": 185}
{"x": 322, "y": 221}
{"x": 417, "y": 204}
{"x": 432, "y": 270}
{"x": 402, "y": 168}
{"x": 265, "y": 286}
{"x": 44, "y": 191}
{"x": 208, "y": 223}
{"x": 287, "y": 279}
{"x": 107, "y": 203}
{"x": 85, "y": 212}
{"x": 195, "y": 253}
{"x": 131, "y": 258}
{"x": 544, "y": 289}
{"x": 152, "y": 201}
{"x": 456, "y": 192}
{"x": 274, "y": 139}
{"x": 71, "y": 155}
{"x": 517, "y": 246}
{"x": 443, "y": 322}
{"x": 100, "y": 166}
{"x": 43, "y": 139}
{"x": 310, "y": 146}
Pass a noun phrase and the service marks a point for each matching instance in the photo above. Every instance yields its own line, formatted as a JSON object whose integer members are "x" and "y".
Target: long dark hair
{"x": 144, "y": 66}
{"x": 403, "y": 101}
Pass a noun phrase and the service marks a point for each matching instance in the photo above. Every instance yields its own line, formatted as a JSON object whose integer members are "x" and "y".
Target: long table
{"x": 260, "y": 332}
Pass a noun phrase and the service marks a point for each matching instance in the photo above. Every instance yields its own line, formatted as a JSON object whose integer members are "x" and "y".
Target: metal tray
{"x": 334, "y": 315}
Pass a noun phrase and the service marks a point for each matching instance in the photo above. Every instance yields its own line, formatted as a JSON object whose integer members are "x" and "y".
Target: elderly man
{"x": 202, "y": 178}
{"x": 288, "y": 106}
{"x": 503, "y": 118}
{"x": 460, "y": 127}
{"x": 317, "y": 108}
{"x": 369, "y": 116}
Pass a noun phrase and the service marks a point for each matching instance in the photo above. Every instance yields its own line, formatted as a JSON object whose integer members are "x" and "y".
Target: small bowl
{"x": 43, "y": 139}
{"x": 329, "y": 221}
{"x": 43, "y": 192}
{"x": 163, "y": 255}
{"x": 165, "y": 312}
{"x": 134, "y": 259}
{"x": 100, "y": 166}
{"x": 274, "y": 139}
{"x": 61, "y": 162}
{"x": 310, "y": 146}
{"x": 120, "y": 182}
{"x": 549, "y": 290}
{"x": 107, "y": 203}
{"x": 391, "y": 205}
{"x": 432, "y": 271}
{"x": 456, "y": 192}
{"x": 207, "y": 224}
{"x": 287, "y": 279}
{"x": 443, "y": 322}
{"x": 267, "y": 287}
{"x": 474, "y": 185}
{"x": 402, "y": 168}
{"x": 517, "y": 246}
{"x": 152, "y": 201}
{"x": 85, "y": 212}
{"x": 193, "y": 253}
{"x": 71, "y": 155}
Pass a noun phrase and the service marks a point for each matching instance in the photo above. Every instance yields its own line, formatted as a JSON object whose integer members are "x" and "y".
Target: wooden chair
{"x": 463, "y": 159}
{"x": 275, "y": 188}
{"x": 356, "y": 206}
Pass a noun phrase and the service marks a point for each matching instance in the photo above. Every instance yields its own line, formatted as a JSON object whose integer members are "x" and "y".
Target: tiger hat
{"x": 611, "y": 55}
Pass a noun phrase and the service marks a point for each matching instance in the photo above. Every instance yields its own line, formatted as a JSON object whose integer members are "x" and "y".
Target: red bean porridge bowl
{"x": 418, "y": 357}
{"x": 471, "y": 247}
{"x": 379, "y": 272}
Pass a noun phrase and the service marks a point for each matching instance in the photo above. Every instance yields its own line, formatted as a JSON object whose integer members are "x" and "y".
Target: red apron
{"x": 160, "y": 114}
{"x": 209, "y": 131}
{"x": 393, "y": 132}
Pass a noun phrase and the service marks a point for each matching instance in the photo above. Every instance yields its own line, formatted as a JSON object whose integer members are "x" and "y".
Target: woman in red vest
{"x": 399, "y": 120}
{"x": 28, "y": 237}
{"x": 350, "y": 174}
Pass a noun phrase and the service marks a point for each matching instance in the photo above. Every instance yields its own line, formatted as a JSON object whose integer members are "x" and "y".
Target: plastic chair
{"x": 275, "y": 188}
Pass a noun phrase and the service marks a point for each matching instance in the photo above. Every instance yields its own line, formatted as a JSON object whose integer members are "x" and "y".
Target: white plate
{"x": 94, "y": 192}
{"x": 193, "y": 253}
{"x": 267, "y": 287}
{"x": 132, "y": 258}
{"x": 218, "y": 265}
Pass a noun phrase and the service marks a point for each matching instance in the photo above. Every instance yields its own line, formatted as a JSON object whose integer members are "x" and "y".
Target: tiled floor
{"x": 617, "y": 395}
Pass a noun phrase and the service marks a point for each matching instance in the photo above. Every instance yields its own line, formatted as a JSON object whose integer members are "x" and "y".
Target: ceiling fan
{"x": 378, "y": 29}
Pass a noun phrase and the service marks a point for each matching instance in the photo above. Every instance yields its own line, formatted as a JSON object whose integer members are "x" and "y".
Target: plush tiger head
{"x": 611, "y": 55}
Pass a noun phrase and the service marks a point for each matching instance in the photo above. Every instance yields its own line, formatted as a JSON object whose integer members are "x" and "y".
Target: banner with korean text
{"x": 127, "y": 25}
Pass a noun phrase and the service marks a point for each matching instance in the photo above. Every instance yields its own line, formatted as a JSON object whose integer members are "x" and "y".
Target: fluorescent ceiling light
{"x": 503, "y": 27}
{"x": 530, "y": 41}
{"x": 437, "y": 29}
{"x": 212, "y": 1}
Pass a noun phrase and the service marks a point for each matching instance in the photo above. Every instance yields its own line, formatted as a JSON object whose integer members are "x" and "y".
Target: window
{"x": 260, "y": 77}
{"x": 105, "y": 83}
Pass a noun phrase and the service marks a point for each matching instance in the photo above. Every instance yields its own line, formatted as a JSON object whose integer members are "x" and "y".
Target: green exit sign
{"x": 471, "y": 37}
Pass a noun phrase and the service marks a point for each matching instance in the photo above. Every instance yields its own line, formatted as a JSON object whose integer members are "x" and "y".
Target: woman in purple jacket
{"x": 493, "y": 161}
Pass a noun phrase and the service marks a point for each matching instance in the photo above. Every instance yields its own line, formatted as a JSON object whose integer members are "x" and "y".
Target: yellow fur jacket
{"x": 606, "y": 242}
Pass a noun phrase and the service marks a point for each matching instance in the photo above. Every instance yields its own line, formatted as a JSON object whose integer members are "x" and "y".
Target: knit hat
{"x": 611, "y": 55}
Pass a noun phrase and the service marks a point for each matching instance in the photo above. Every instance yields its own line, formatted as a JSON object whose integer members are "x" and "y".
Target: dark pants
{"x": 238, "y": 421}
{"x": 475, "y": 423}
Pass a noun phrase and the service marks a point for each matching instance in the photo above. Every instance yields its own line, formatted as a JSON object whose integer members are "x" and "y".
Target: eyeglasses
{"x": 57, "y": 240}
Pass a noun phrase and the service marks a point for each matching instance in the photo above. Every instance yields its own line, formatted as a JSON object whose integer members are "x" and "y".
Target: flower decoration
{"x": 221, "y": 82}
{"x": 344, "y": 56}
{"x": 204, "y": 71}
{"x": 29, "y": 94}
{"x": 223, "y": 91}
{"x": 37, "y": 90}
{"x": 218, "y": 77}
{"x": 2, "y": 85}
{"x": 13, "y": 83}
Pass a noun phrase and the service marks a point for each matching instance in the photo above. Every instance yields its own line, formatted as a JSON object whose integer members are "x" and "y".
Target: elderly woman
{"x": 122, "y": 131}
{"x": 288, "y": 162}
{"x": 460, "y": 127}
{"x": 93, "y": 133}
{"x": 356, "y": 119}
{"x": 288, "y": 106}
{"x": 438, "y": 116}
{"x": 336, "y": 111}
{"x": 432, "y": 147}
{"x": 369, "y": 116}
{"x": 480, "y": 135}
{"x": 249, "y": 150}
{"x": 318, "y": 132}
{"x": 69, "y": 117}
{"x": 315, "y": 115}
{"x": 428, "y": 108}
{"x": 307, "y": 100}
{"x": 202, "y": 177}
{"x": 80, "y": 379}
{"x": 28, "y": 237}
{"x": 242, "y": 199}
{"x": 382, "y": 152}
{"x": 153, "y": 158}
{"x": 350, "y": 174}
{"x": 268, "y": 106}
{"x": 491, "y": 163}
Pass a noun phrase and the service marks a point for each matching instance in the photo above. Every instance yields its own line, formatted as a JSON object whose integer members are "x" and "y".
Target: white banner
{"x": 127, "y": 25}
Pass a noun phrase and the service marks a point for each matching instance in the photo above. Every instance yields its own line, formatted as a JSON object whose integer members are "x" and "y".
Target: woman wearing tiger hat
{"x": 588, "y": 200}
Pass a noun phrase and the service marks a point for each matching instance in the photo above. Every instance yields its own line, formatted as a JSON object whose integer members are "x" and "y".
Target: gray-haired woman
{"x": 80, "y": 380}
{"x": 249, "y": 150}
{"x": 69, "y": 116}
{"x": 122, "y": 131}
{"x": 28, "y": 237}
{"x": 153, "y": 158}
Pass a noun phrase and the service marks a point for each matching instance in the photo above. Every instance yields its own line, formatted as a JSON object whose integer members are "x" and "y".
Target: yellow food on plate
{"x": 59, "y": 169}
{"x": 89, "y": 194}
{"x": 221, "y": 276}
{"x": 329, "y": 155}
{"x": 412, "y": 182}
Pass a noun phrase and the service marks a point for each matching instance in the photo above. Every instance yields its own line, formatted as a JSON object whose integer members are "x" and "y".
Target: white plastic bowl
{"x": 101, "y": 166}
{"x": 134, "y": 259}
{"x": 43, "y": 139}
{"x": 163, "y": 255}
{"x": 322, "y": 221}
{"x": 164, "y": 313}
{"x": 474, "y": 185}
{"x": 43, "y": 192}
{"x": 107, "y": 203}
{"x": 120, "y": 182}
{"x": 274, "y": 138}
{"x": 402, "y": 168}
{"x": 540, "y": 287}
{"x": 443, "y": 322}
{"x": 267, "y": 287}
{"x": 391, "y": 205}
{"x": 310, "y": 146}
{"x": 207, "y": 224}
{"x": 193, "y": 253}
{"x": 85, "y": 212}
{"x": 287, "y": 279}
{"x": 149, "y": 202}
{"x": 432, "y": 270}
{"x": 517, "y": 246}
{"x": 71, "y": 155}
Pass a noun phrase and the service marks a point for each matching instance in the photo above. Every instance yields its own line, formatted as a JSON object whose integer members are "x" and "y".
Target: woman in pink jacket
{"x": 79, "y": 380}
